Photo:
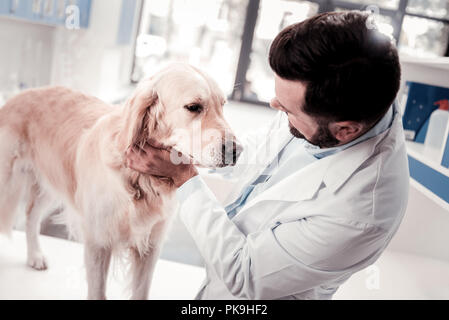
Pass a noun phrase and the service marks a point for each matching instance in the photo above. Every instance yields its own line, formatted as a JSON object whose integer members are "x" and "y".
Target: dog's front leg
{"x": 142, "y": 272}
{"x": 97, "y": 261}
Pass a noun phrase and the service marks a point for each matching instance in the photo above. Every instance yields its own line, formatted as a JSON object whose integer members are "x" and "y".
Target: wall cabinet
{"x": 4, "y": 7}
{"x": 429, "y": 166}
{"x": 50, "y": 12}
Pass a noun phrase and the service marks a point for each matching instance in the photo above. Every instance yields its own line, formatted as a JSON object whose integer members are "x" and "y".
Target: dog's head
{"x": 181, "y": 108}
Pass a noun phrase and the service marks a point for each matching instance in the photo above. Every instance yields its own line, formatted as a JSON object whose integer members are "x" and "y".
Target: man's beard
{"x": 323, "y": 138}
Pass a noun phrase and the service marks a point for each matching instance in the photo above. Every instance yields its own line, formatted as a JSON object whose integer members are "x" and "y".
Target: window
{"x": 424, "y": 37}
{"x": 430, "y": 8}
{"x": 384, "y": 23}
{"x": 230, "y": 39}
{"x": 390, "y": 4}
{"x": 274, "y": 15}
{"x": 204, "y": 33}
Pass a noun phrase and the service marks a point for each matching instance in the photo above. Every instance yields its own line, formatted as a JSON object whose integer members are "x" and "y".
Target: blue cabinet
{"x": 21, "y": 9}
{"x": 37, "y": 7}
{"x": 84, "y": 6}
{"x": 124, "y": 36}
{"x": 50, "y": 12}
{"x": 54, "y": 11}
{"x": 4, "y": 7}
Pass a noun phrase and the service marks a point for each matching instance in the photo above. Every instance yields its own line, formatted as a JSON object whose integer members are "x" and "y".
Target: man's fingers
{"x": 135, "y": 151}
{"x": 136, "y": 159}
{"x": 154, "y": 161}
{"x": 166, "y": 154}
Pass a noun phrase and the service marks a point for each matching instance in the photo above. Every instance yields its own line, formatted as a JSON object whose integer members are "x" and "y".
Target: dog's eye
{"x": 197, "y": 108}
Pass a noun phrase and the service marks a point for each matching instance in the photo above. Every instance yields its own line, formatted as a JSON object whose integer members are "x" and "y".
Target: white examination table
{"x": 400, "y": 276}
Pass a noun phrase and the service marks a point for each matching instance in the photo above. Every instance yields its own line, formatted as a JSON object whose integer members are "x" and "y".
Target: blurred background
{"x": 105, "y": 47}
{"x": 112, "y": 44}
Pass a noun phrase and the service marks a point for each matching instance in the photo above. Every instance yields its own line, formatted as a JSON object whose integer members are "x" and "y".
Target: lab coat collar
{"x": 345, "y": 163}
{"x": 383, "y": 125}
{"x": 330, "y": 172}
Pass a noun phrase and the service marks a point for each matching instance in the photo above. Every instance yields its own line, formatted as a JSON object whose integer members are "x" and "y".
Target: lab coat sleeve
{"x": 282, "y": 260}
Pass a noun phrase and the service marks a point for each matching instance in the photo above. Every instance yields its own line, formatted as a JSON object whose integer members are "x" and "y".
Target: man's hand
{"x": 154, "y": 159}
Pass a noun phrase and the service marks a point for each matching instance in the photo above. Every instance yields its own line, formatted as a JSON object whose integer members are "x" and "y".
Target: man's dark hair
{"x": 351, "y": 70}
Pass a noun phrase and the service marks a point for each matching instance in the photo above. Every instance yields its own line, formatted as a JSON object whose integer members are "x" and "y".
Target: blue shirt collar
{"x": 383, "y": 125}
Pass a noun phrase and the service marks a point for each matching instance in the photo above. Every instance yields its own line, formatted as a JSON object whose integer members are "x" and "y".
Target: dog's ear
{"x": 138, "y": 119}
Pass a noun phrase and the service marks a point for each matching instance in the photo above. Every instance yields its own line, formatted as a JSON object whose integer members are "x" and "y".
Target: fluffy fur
{"x": 60, "y": 147}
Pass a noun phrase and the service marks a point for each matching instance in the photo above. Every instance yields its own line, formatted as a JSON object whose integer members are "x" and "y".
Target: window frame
{"x": 251, "y": 17}
{"x": 397, "y": 16}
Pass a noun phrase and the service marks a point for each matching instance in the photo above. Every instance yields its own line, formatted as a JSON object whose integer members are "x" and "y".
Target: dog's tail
{"x": 12, "y": 180}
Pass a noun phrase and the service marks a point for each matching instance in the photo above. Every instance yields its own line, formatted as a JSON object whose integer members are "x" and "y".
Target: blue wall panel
{"x": 445, "y": 162}
{"x": 433, "y": 180}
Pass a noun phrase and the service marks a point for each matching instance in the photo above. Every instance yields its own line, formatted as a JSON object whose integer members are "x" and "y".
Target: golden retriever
{"x": 57, "y": 144}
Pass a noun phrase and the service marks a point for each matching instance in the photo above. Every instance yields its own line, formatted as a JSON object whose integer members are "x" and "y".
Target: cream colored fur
{"x": 60, "y": 147}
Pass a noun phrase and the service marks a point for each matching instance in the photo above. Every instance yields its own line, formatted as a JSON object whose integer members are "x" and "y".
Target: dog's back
{"x": 39, "y": 133}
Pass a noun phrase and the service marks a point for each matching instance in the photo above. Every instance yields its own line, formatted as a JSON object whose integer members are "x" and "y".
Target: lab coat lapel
{"x": 345, "y": 163}
{"x": 259, "y": 159}
{"x": 301, "y": 185}
{"x": 330, "y": 172}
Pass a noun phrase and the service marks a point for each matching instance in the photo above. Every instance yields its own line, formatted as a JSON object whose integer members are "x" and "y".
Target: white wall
{"x": 424, "y": 229}
{"x": 26, "y": 52}
{"x": 90, "y": 60}
{"x": 429, "y": 71}
{"x": 87, "y": 59}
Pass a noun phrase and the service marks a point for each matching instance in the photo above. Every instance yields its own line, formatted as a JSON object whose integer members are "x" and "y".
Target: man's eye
{"x": 197, "y": 108}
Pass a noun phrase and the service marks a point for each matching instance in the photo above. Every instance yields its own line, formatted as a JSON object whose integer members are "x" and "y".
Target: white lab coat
{"x": 306, "y": 235}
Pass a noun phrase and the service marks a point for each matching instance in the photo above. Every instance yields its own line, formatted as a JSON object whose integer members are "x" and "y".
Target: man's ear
{"x": 346, "y": 131}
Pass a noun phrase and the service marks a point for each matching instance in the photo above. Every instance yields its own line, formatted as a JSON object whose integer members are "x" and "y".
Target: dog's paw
{"x": 38, "y": 262}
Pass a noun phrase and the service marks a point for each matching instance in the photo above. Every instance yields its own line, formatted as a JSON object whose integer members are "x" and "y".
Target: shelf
{"x": 427, "y": 155}
{"x": 436, "y": 62}
{"x": 427, "y": 172}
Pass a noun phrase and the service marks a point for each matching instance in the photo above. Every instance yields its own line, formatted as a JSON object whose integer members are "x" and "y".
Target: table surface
{"x": 65, "y": 277}
{"x": 395, "y": 275}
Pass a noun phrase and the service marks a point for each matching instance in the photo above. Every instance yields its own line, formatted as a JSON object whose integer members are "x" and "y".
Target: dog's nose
{"x": 231, "y": 151}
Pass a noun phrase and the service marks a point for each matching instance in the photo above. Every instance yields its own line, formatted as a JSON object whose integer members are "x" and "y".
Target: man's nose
{"x": 274, "y": 103}
{"x": 231, "y": 151}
